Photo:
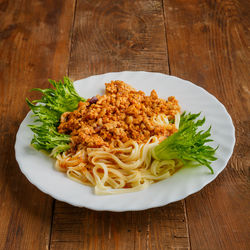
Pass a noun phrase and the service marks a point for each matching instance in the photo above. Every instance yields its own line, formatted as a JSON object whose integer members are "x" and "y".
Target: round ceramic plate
{"x": 40, "y": 171}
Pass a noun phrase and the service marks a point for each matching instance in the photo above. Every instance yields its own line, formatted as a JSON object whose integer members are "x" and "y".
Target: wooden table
{"x": 202, "y": 41}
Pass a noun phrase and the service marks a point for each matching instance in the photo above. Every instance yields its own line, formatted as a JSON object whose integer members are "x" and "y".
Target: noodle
{"x": 127, "y": 168}
{"x": 112, "y": 137}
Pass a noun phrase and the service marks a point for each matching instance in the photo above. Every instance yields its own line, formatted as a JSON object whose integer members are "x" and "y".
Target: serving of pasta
{"x": 118, "y": 142}
{"x": 111, "y": 150}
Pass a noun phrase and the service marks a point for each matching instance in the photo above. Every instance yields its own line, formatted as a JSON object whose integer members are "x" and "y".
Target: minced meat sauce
{"x": 122, "y": 113}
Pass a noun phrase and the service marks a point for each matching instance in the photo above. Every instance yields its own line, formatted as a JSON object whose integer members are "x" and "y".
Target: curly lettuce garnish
{"x": 187, "y": 144}
{"x": 48, "y": 110}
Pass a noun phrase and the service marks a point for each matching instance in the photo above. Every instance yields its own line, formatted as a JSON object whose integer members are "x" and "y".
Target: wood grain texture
{"x": 114, "y": 36}
{"x": 204, "y": 41}
{"x": 159, "y": 228}
{"x": 208, "y": 44}
{"x": 34, "y": 46}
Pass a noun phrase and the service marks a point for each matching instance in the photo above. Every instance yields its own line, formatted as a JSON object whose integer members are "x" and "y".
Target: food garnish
{"x": 48, "y": 110}
{"x": 188, "y": 144}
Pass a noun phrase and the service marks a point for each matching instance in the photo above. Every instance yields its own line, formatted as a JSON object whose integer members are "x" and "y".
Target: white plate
{"x": 39, "y": 170}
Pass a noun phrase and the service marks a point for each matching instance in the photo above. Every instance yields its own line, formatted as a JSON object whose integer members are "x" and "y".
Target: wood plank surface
{"x": 114, "y": 36}
{"x": 207, "y": 44}
{"x": 34, "y": 46}
{"x": 204, "y": 41}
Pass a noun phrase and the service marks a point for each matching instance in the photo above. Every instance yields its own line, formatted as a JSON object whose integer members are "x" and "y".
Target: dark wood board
{"x": 204, "y": 41}
{"x": 34, "y": 46}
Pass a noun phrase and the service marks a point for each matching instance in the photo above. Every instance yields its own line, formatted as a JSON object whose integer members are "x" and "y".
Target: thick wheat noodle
{"x": 122, "y": 168}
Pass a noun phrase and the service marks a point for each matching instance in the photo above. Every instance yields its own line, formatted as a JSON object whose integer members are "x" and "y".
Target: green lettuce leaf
{"x": 188, "y": 144}
{"x": 48, "y": 110}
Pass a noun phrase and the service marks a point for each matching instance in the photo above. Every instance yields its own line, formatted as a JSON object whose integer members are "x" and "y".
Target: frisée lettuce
{"x": 47, "y": 112}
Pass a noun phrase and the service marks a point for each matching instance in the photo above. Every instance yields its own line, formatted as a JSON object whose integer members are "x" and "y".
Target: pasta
{"x": 121, "y": 141}
{"x": 120, "y": 168}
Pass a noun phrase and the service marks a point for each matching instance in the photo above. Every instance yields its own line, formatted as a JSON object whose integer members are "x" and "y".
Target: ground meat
{"x": 121, "y": 114}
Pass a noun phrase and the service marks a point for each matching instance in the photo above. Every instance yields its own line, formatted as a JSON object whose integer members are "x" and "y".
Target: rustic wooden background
{"x": 203, "y": 41}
